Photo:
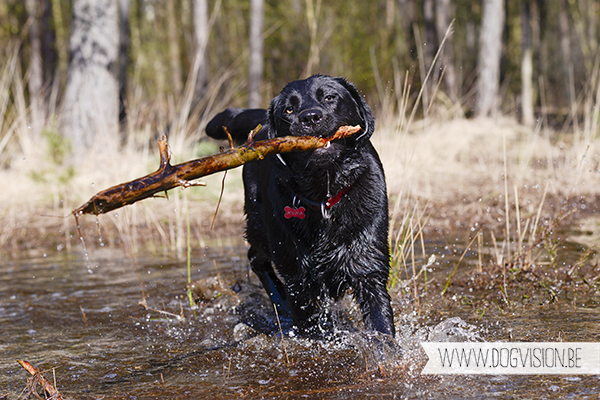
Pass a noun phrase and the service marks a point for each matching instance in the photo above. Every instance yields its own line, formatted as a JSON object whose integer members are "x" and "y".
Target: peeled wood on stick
{"x": 170, "y": 176}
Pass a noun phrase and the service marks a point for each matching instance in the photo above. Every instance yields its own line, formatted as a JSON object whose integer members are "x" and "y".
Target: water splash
{"x": 454, "y": 329}
{"x": 85, "y": 251}
{"x": 100, "y": 241}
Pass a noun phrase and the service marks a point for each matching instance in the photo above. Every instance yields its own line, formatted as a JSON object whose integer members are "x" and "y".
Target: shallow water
{"x": 90, "y": 331}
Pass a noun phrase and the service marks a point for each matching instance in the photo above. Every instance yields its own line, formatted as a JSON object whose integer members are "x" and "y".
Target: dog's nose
{"x": 310, "y": 118}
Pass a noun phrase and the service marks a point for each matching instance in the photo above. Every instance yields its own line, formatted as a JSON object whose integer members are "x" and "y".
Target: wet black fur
{"x": 331, "y": 251}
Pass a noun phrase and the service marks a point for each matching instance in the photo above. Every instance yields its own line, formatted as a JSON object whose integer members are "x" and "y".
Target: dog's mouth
{"x": 329, "y": 145}
{"x": 336, "y": 139}
{"x": 340, "y": 133}
{"x": 343, "y": 132}
{"x": 330, "y": 136}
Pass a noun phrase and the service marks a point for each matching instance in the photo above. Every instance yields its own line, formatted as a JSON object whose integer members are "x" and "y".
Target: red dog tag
{"x": 294, "y": 212}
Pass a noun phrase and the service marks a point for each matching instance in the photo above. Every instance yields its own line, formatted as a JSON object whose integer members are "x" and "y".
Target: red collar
{"x": 333, "y": 200}
{"x": 327, "y": 204}
{"x": 298, "y": 212}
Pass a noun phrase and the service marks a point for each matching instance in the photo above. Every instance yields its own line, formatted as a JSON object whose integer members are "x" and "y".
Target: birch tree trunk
{"x": 174, "y": 54}
{"x": 488, "y": 60}
{"x": 200, "y": 10}
{"x": 526, "y": 67}
{"x": 256, "y": 52}
{"x": 443, "y": 16}
{"x": 90, "y": 109}
{"x": 36, "y": 69}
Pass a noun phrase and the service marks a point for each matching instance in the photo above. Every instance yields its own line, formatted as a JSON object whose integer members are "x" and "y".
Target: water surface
{"x": 90, "y": 331}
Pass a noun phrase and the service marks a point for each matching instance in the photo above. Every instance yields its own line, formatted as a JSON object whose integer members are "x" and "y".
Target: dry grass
{"x": 509, "y": 195}
{"x": 448, "y": 160}
{"x": 42, "y": 183}
{"x": 454, "y": 169}
{"x": 444, "y": 174}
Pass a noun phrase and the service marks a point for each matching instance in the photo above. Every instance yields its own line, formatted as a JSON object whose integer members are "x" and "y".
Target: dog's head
{"x": 318, "y": 106}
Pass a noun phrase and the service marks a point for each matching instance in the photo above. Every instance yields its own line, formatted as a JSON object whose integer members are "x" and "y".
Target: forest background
{"x": 476, "y": 102}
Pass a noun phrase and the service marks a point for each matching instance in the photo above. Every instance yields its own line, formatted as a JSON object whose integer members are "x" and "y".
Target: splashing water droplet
{"x": 100, "y": 241}
{"x": 85, "y": 252}
{"x": 86, "y": 255}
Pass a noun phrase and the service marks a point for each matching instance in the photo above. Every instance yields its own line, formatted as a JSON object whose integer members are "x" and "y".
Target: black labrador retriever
{"x": 319, "y": 217}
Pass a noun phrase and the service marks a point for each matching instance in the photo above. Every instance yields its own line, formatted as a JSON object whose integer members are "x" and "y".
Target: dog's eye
{"x": 329, "y": 97}
{"x": 289, "y": 110}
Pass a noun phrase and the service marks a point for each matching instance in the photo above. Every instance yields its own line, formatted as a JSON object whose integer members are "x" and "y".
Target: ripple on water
{"x": 231, "y": 347}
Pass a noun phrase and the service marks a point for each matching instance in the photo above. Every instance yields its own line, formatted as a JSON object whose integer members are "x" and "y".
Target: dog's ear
{"x": 273, "y": 124}
{"x": 272, "y": 118}
{"x": 363, "y": 109}
{"x": 238, "y": 121}
{"x": 214, "y": 128}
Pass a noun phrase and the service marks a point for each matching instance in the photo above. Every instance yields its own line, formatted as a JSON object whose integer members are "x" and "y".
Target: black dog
{"x": 319, "y": 217}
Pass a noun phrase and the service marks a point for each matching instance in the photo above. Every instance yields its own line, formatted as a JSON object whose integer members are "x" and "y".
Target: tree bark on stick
{"x": 171, "y": 176}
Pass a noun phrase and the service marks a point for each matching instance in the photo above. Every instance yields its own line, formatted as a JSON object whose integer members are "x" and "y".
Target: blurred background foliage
{"x": 377, "y": 44}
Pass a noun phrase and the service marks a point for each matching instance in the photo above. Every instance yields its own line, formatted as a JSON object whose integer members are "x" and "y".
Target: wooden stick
{"x": 170, "y": 176}
{"x": 48, "y": 387}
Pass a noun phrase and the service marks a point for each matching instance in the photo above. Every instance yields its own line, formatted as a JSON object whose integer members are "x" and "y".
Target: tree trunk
{"x": 390, "y": 13}
{"x": 407, "y": 11}
{"x": 488, "y": 60}
{"x": 526, "y": 66}
{"x": 48, "y": 40}
{"x": 443, "y": 16}
{"x": 201, "y": 36}
{"x": 123, "y": 56}
{"x": 592, "y": 38}
{"x": 565, "y": 48}
{"x": 91, "y": 100}
{"x": 256, "y": 53}
{"x": 429, "y": 48}
{"x": 62, "y": 41}
{"x": 36, "y": 69}
{"x": 174, "y": 54}
{"x": 429, "y": 34}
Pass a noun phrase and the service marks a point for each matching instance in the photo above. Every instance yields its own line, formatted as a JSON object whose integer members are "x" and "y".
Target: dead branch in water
{"x": 170, "y": 176}
{"x": 38, "y": 378}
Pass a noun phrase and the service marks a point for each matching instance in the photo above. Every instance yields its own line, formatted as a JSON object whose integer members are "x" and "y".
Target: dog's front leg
{"x": 375, "y": 302}
{"x": 302, "y": 311}
{"x": 263, "y": 268}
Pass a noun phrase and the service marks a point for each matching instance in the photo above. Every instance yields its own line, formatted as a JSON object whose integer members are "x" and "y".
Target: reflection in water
{"x": 103, "y": 343}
